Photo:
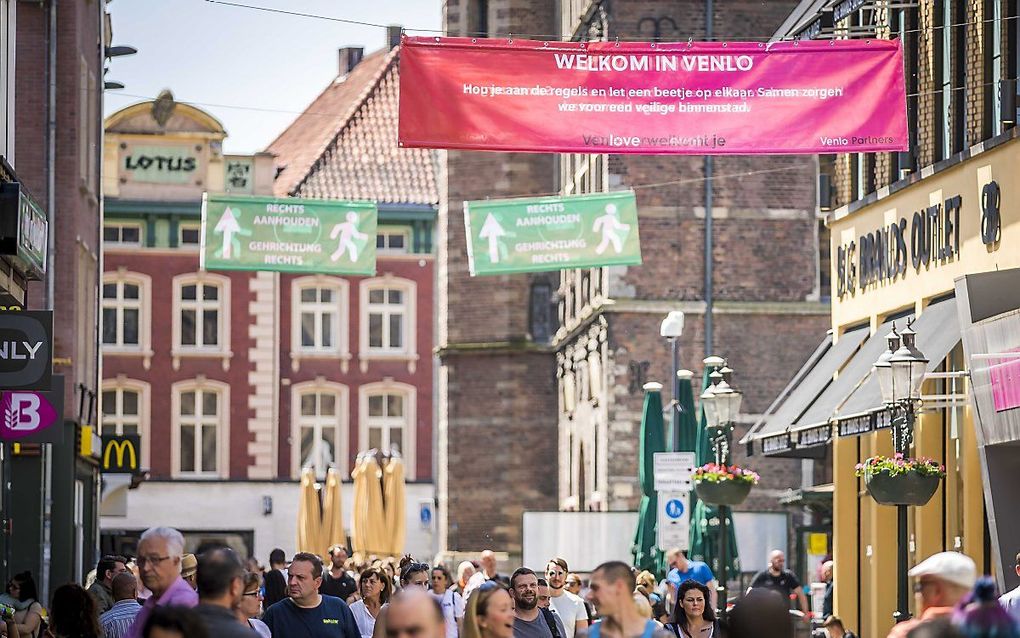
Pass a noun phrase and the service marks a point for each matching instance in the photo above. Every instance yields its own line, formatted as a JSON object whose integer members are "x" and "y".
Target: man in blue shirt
{"x": 306, "y": 613}
{"x": 682, "y": 569}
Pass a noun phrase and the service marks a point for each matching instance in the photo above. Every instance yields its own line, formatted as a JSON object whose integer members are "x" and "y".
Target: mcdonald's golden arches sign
{"x": 121, "y": 453}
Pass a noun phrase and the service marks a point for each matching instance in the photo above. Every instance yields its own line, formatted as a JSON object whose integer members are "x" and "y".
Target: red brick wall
{"x": 421, "y": 378}
{"x": 77, "y": 207}
{"x": 161, "y": 376}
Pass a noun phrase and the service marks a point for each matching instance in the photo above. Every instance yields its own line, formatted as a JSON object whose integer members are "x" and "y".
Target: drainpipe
{"x": 51, "y": 181}
{"x": 51, "y": 151}
{"x": 709, "y": 166}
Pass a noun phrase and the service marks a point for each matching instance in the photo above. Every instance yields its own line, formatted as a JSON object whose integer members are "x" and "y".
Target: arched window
{"x": 387, "y": 420}
{"x": 201, "y": 316}
{"x": 320, "y": 311}
{"x": 201, "y": 431}
{"x": 388, "y": 321}
{"x": 124, "y": 409}
{"x": 125, "y": 311}
{"x": 319, "y": 427}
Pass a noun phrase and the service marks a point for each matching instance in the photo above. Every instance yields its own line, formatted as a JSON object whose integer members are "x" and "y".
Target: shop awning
{"x": 938, "y": 332}
{"x": 777, "y": 430}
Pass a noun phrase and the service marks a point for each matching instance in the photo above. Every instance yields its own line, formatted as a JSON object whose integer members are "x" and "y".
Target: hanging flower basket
{"x": 723, "y": 485}
{"x": 899, "y": 480}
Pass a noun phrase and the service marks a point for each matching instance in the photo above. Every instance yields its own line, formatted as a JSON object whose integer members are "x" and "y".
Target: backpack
{"x": 551, "y": 621}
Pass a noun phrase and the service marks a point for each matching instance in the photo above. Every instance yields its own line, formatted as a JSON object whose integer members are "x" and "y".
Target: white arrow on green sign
{"x": 288, "y": 235}
{"x": 552, "y": 233}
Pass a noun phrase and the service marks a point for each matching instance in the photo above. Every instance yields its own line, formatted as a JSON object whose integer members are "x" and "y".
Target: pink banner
{"x": 1006, "y": 384}
{"x": 698, "y": 98}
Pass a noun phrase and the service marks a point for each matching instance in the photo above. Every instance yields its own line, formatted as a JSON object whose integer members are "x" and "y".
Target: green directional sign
{"x": 288, "y": 235}
{"x": 552, "y": 233}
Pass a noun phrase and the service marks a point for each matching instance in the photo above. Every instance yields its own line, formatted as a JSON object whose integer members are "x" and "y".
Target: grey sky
{"x": 219, "y": 57}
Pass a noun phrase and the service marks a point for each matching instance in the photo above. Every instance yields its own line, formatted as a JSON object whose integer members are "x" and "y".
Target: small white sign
{"x": 673, "y": 523}
{"x": 672, "y": 471}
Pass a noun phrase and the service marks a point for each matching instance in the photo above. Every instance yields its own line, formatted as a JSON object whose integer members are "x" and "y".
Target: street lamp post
{"x": 721, "y": 403}
{"x": 672, "y": 328}
{"x": 900, "y": 371}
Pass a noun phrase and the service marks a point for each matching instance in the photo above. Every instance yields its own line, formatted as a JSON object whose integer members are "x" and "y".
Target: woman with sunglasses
{"x": 693, "y": 616}
{"x": 250, "y": 608}
{"x": 489, "y": 612}
{"x": 28, "y": 619}
{"x": 412, "y": 575}
{"x": 374, "y": 587}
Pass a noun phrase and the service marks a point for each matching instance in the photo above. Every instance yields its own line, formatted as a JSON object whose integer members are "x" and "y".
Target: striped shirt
{"x": 119, "y": 618}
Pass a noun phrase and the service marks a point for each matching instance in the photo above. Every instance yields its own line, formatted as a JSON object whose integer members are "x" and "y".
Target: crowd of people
{"x": 166, "y": 593}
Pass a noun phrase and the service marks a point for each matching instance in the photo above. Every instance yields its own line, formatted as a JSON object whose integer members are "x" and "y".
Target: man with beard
{"x": 530, "y": 620}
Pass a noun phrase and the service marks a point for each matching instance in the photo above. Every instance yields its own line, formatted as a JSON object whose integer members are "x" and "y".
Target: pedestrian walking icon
{"x": 349, "y": 235}
{"x": 227, "y": 227}
{"x": 610, "y": 225}
{"x": 674, "y": 508}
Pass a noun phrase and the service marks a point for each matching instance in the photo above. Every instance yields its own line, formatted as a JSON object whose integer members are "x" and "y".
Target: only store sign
{"x": 288, "y": 235}
{"x": 552, "y": 233}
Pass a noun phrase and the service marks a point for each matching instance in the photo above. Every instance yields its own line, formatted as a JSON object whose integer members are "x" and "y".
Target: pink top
{"x": 179, "y": 593}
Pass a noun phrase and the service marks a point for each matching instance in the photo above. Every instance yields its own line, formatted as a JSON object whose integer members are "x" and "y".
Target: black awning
{"x": 938, "y": 332}
{"x": 777, "y": 430}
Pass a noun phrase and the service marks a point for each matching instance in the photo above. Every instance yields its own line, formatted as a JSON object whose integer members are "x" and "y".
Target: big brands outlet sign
{"x": 927, "y": 237}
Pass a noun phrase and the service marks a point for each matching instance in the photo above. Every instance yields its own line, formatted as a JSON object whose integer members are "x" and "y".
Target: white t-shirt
{"x": 365, "y": 620}
{"x": 571, "y": 609}
{"x": 1010, "y": 601}
{"x": 453, "y": 610}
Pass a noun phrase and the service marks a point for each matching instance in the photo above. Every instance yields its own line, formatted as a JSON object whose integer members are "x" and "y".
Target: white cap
{"x": 952, "y": 567}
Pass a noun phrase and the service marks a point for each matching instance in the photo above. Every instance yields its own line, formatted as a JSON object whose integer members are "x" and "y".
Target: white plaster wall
{"x": 237, "y": 505}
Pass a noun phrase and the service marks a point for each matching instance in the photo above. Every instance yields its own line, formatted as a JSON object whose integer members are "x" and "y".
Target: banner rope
{"x": 316, "y": 16}
{"x": 108, "y": 94}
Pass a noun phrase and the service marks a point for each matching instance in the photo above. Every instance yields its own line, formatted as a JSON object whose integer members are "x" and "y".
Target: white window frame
{"x": 342, "y": 349}
{"x": 201, "y": 384}
{"x": 408, "y": 446}
{"x": 124, "y": 244}
{"x": 222, "y": 349}
{"x": 121, "y": 384}
{"x": 320, "y": 386}
{"x": 181, "y": 227}
{"x": 144, "y": 283}
{"x": 409, "y": 352}
{"x": 388, "y": 231}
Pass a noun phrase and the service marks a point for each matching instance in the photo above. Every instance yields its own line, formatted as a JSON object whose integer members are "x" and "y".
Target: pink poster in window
{"x": 1005, "y": 378}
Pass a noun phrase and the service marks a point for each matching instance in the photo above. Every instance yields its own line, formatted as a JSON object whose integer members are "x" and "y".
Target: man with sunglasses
{"x": 570, "y": 608}
{"x": 160, "y": 550}
{"x": 943, "y": 580}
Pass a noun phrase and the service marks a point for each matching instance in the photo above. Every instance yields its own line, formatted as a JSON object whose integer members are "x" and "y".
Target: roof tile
{"x": 344, "y": 146}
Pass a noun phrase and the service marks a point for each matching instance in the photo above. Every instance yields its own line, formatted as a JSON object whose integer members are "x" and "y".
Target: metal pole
{"x": 709, "y": 243}
{"x": 724, "y": 549}
{"x": 905, "y": 430}
{"x": 902, "y": 600}
{"x": 675, "y": 412}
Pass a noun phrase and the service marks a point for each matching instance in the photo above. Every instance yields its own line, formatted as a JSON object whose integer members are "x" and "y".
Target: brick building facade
{"x": 238, "y": 380}
{"x": 52, "y": 85}
{"x": 557, "y": 412}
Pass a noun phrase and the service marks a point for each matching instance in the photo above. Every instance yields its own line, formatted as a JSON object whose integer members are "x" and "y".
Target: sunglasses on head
{"x": 489, "y": 585}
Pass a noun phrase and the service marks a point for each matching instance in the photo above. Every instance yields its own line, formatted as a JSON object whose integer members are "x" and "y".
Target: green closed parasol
{"x": 645, "y": 550}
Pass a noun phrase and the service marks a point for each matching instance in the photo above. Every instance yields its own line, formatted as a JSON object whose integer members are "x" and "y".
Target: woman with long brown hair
{"x": 375, "y": 588}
